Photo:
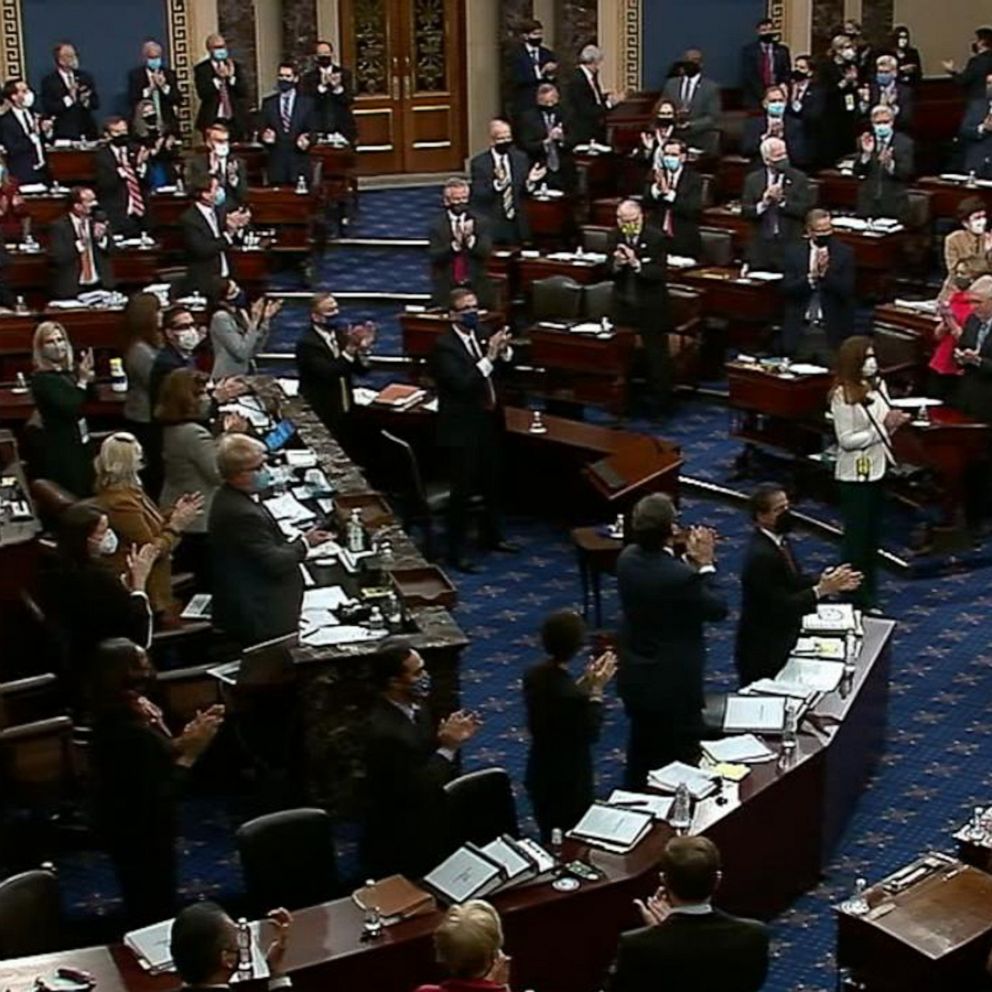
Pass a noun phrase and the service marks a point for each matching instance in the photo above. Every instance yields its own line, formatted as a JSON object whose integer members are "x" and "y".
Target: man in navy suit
{"x": 22, "y": 136}
{"x": 666, "y": 599}
{"x": 764, "y": 62}
{"x": 287, "y": 120}
{"x": 976, "y": 133}
{"x": 530, "y": 65}
{"x": 774, "y": 123}
{"x": 69, "y": 97}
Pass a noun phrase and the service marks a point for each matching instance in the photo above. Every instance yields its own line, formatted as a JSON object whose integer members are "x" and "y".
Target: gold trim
{"x": 180, "y": 56}
{"x": 374, "y": 110}
{"x": 630, "y": 48}
{"x": 776, "y": 14}
{"x": 432, "y": 144}
{"x": 437, "y": 106}
{"x": 12, "y": 39}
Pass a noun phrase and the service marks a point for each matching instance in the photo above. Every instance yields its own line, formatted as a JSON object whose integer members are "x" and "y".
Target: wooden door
{"x": 408, "y": 62}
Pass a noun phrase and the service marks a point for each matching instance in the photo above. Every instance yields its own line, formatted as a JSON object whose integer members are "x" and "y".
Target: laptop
{"x": 260, "y": 664}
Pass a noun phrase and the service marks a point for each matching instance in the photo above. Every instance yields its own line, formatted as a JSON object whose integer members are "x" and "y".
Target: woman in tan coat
{"x": 970, "y": 249}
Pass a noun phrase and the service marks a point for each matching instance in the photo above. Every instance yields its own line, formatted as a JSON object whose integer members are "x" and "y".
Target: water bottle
{"x": 976, "y": 831}
{"x": 245, "y": 970}
{"x": 972, "y": 180}
{"x": 557, "y": 847}
{"x": 301, "y": 186}
{"x": 857, "y": 904}
{"x": 394, "y": 611}
{"x": 617, "y": 528}
{"x": 606, "y": 324}
{"x": 850, "y": 655}
{"x": 386, "y": 556}
{"x": 355, "y": 533}
{"x": 20, "y": 306}
{"x": 680, "y": 817}
{"x": 118, "y": 377}
{"x": 20, "y": 383}
{"x": 180, "y": 186}
{"x": 790, "y": 729}
{"x": 372, "y": 918}
{"x": 923, "y": 416}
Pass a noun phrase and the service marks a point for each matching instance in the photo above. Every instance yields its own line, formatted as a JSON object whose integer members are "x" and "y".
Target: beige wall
{"x": 942, "y": 30}
{"x": 268, "y": 44}
{"x": 328, "y": 28}
{"x": 544, "y": 11}
{"x": 482, "y": 54}
{"x": 798, "y": 26}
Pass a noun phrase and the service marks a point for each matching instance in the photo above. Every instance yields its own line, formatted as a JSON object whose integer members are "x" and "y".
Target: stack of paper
{"x": 300, "y": 457}
{"x": 658, "y": 806}
{"x": 828, "y": 648}
{"x": 920, "y": 306}
{"x": 681, "y": 262}
{"x": 807, "y": 368}
{"x": 755, "y": 714}
{"x": 814, "y": 674}
{"x": 833, "y": 618}
{"x": 765, "y": 276}
{"x": 778, "y": 686}
{"x": 364, "y": 396}
{"x": 290, "y": 387}
{"x": 914, "y": 402}
{"x": 316, "y": 637}
{"x": 699, "y": 783}
{"x": 850, "y": 223}
{"x": 745, "y": 749}
{"x": 287, "y": 507}
{"x": 611, "y": 828}
{"x": 586, "y": 327}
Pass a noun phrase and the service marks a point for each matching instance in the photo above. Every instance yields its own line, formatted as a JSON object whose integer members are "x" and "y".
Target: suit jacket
{"x": 442, "y": 256}
{"x": 643, "y": 293}
{"x": 74, "y": 121}
{"x": 837, "y": 293}
{"x": 166, "y": 360}
{"x": 189, "y": 456}
{"x": 332, "y": 111}
{"x": 63, "y": 456}
{"x": 977, "y": 141}
{"x": 840, "y": 112}
{"x": 975, "y": 390}
{"x": 487, "y": 200}
{"x": 169, "y": 102}
{"x": 972, "y": 76}
{"x": 233, "y": 177}
{"x": 904, "y": 102}
{"x": 704, "y": 111}
{"x": 235, "y": 341}
{"x": 285, "y": 162}
{"x": 203, "y": 249}
{"x": 665, "y": 604}
{"x": 524, "y": 80}
{"x": 257, "y": 586}
{"x": 774, "y": 598}
{"x": 111, "y": 186}
{"x": 405, "y": 776}
{"x": 752, "y": 71}
{"x": 587, "y": 112}
{"x": 755, "y": 129}
{"x": 682, "y": 214}
{"x": 531, "y": 135}
{"x": 66, "y": 261}
{"x": 22, "y": 156}
{"x": 325, "y": 378}
{"x": 791, "y": 213}
{"x": 963, "y": 247}
{"x": 207, "y": 90}
{"x": 715, "y": 952}
{"x": 884, "y": 194}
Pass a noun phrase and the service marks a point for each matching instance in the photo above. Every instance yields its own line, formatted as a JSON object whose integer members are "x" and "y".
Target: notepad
{"x": 758, "y": 714}
{"x": 518, "y": 866}
{"x": 777, "y": 687}
{"x": 612, "y": 828}
{"x": 817, "y": 675}
{"x": 287, "y": 507}
{"x": 658, "y": 806}
{"x": 699, "y": 783}
{"x": 828, "y": 648}
{"x": 743, "y": 749}
{"x": 339, "y": 634}
{"x": 467, "y": 874}
{"x": 198, "y": 608}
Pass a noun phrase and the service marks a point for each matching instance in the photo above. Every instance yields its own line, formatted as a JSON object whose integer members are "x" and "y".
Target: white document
{"x": 587, "y": 327}
{"x": 681, "y": 262}
{"x": 816, "y": 675}
{"x": 827, "y": 648}
{"x": 339, "y": 634}
{"x": 255, "y": 417}
{"x": 291, "y": 387}
{"x": 151, "y": 945}
{"x": 765, "y": 276}
{"x": 658, "y": 806}
{"x": 836, "y": 617}
{"x": 287, "y": 507}
{"x": 698, "y": 782}
{"x": 777, "y": 686}
{"x": 619, "y": 828}
{"x": 325, "y": 598}
{"x": 514, "y": 863}
{"x": 198, "y": 608}
{"x": 805, "y": 368}
{"x": 300, "y": 457}
{"x": 754, "y": 713}
{"x": 914, "y": 402}
{"x": 363, "y": 396}
{"x": 463, "y": 876}
{"x": 744, "y": 749}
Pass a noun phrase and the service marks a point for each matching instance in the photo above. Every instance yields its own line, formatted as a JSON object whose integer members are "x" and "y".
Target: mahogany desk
{"x": 552, "y": 219}
{"x": 421, "y": 328}
{"x": 70, "y": 166}
{"x": 808, "y": 799}
{"x": 17, "y": 407}
{"x": 749, "y": 306}
{"x": 598, "y": 173}
{"x": 838, "y": 190}
{"x": 921, "y": 324}
{"x": 945, "y": 196}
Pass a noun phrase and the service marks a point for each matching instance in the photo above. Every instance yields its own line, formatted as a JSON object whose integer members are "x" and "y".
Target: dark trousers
{"x": 473, "y": 470}
{"x": 657, "y": 738}
{"x": 942, "y": 387}
{"x": 861, "y": 512}
{"x": 652, "y": 326}
{"x": 146, "y": 867}
{"x": 150, "y": 438}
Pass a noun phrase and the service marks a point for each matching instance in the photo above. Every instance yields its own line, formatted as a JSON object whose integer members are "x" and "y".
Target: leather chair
{"x": 30, "y": 914}
{"x": 718, "y": 246}
{"x": 480, "y": 807}
{"x": 814, "y": 189}
{"x": 556, "y": 298}
{"x": 50, "y": 499}
{"x": 288, "y": 859}
{"x": 920, "y": 211}
{"x": 708, "y": 191}
{"x": 595, "y": 238}
{"x": 599, "y": 300}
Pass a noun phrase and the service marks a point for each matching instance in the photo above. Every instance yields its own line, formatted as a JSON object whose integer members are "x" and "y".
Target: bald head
{"x": 500, "y": 133}
{"x": 629, "y": 212}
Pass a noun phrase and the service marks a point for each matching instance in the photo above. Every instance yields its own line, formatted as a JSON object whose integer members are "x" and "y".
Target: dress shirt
{"x": 534, "y": 51}
{"x": 325, "y": 80}
{"x": 472, "y": 346}
{"x": 457, "y": 222}
{"x": 84, "y": 242}
{"x": 693, "y": 909}
{"x": 673, "y": 182}
{"x": 688, "y": 88}
{"x": 287, "y": 101}
{"x": 503, "y": 162}
{"x": 593, "y": 79}
{"x": 210, "y": 215}
{"x": 69, "y": 78}
{"x": 798, "y": 92}
{"x": 772, "y": 178}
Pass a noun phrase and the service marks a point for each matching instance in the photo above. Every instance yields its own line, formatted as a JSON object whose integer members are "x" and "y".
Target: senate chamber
{"x": 495, "y": 495}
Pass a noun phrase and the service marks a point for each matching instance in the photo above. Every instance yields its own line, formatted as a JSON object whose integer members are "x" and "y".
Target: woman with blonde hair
{"x": 60, "y": 387}
{"x": 137, "y": 520}
{"x": 469, "y": 944}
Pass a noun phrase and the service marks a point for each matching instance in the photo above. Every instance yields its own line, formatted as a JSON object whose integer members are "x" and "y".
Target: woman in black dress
{"x": 564, "y": 718}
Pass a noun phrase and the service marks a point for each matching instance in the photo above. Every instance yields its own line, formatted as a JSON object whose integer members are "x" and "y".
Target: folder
{"x": 611, "y": 828}
{"x": 466, "y": 874}
{"x": 396, "y": 898}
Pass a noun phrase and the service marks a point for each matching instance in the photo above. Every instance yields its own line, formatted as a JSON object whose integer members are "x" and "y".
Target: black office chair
{"x": 30, "y": 914}
{"x": 288, "y": 859}
{"x": 480, "y": 807}
{"x": 595, "y": 238}
{"x": 599, "y": 301}
{"x": 556, "y": 298}
{"x": 718, "y": 246}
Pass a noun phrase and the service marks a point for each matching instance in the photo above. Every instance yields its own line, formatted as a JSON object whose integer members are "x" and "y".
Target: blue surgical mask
{"x": 219, "y": 54}
{"x": 421, "y": 686}
{"x": 884, "y": 78}
{"x": 220, "y": 198}
{"x": 154, "y": 64}
{"x": 261, "y": 479}
{"x": 882, "y": 131}
{"x": 671, "y": 162}
{"x": 776, "y": 108}
{"x": 469, "y": 320}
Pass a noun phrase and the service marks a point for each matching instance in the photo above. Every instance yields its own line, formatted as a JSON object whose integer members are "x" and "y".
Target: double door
{"x": 408, "y": 62}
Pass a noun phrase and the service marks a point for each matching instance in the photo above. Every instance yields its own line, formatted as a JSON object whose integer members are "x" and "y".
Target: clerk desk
{"x": 774, "y": 837}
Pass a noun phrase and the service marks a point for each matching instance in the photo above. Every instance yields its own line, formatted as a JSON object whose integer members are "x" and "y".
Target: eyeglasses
{"x": 183, "y": 327}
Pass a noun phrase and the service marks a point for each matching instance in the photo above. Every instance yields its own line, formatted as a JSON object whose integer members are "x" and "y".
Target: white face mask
{"x": 222, "y": 148}
{"x": 27, "y": 101}
{"x": 108, "y": 543}
{"x": 187, "y": 339}
{"x": 870, "y": 368}
{"x": 978, "y": 225}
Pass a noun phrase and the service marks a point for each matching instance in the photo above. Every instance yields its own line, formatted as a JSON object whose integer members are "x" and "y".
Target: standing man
{"x": 531, "y": 64}
{"x": 218, "y": 161}
{"x": 153, "y": 80}
{"x": 548, "y": 137}
{"x": 665, "y": 600}
{"x": 209, "y": 233}
{"x": 331, "y": 87}
{"x": 121, "y": 175}
{"x": 69, "y": 97}
{"x": 698, "y": 102}
{"x": 976, "y": 133}
{"x": 80, "y": 248}
{"x": 459, "y": 245}
{"x": 764, "y": 62}
{"x": 806, "y": 106}
{"x": 409, "y": 759}
{"x": 501, "y": 176}
{"x": 287, "y": 120}
{"x": 979, "y": 66}
{"x": 22, "y": 135}
{"x": 220, "y": 85}
{"x": 885, "y": 90}
{"x": 470, "y": 423}
{"x": 640, "y": 295}
{"x": 587, "y": 102}
{"x": 884, "y": 167}
{"x": 775, "y": 123}
{"x": 775, "y": 593}
{"x": 775, "y": 200}
{"x": 674, "y": 196}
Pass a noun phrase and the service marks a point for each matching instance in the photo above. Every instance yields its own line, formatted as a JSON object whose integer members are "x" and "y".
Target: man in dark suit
{"x": 685, "y": 943}
{"x": 764, "y": 62}
{"x": 208, "y": 234}
{"x": 665, "y": 601}
{"x": 530, "y": 64}
{"x": 775, "y": 123}
{"x": 501, "y": 176}
{"x": 818, "y": 284}
{"x": 22, "y": 135}
{"x": 228, "y": 169}
{"x": 203, "y": 945}
{"x": 80, "y": 248}
{"x": 979, "y": 66}
{"x": 156, "y": 82}
{"x": 698, "y": 103}
{"x": 329, "y": 353}
{"x": 257, "y": 585}
{"x": 547, "y": 136}
{"x": 331, "y": 87}
{"x": 806, "y": 104}
{"x": 637, "y": 265}
{"x": 470, "y": 422}
{"x": 885, "y": 90}
{"x": 587, "y": 102}
{"x": 775, "y": 593}
{"x": 408, "y": 763}
{"x": 221, "y": 87}
{"x": 121, "y": 168}
{"x": 976, "y": 134}
{"x": 775, "y": 200}
{"x": 674, "y": 200}
{"x": 287, "y": 120}
{"x": 884, "y": 167}
{"x": 182, "y": 336}
{"x": 69, "y": 97}
{"x": 459, "y": 245}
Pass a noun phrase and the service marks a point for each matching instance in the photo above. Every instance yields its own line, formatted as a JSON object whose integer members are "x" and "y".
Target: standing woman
{"x": 60, "y": 388}
{"x": 142, "y": 342}
{"x": 839, "y": 81}
{"x": 237, "y": 334}
{"x": 908, "y": 57}
{"x": 864, "y": 421}
{"x": 564, "y": 718}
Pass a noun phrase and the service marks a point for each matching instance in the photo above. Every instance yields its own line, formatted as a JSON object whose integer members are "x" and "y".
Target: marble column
{"x": 512, "y": 13}
{"x": 236, "y": 22}
{"x": 828, "y": 16}
{"x": 299, "y": 29}
{"x": 577, "y": 26}
{"x": 877, "y": 19}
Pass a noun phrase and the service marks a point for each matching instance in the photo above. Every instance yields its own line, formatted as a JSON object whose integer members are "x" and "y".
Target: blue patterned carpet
{"x": 939, "y": 756}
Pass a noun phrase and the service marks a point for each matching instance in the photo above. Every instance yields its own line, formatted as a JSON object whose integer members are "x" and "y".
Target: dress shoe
{"x": 463, "y": 565}
{"x": 503, "y": 547}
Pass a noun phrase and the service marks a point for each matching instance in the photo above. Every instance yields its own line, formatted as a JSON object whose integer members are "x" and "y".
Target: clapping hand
{"x": 497, "y": 343}
{"x": 303, "y": 142}
{"x": 499, "y": 973}
{"x": 272, "y": 307}
{"x": 198, "y": 734}
{"x": 282, "y": 920}
{"x": 85, "y": 371}
{"x": 843, "y": 578}
{"x": 224, "y": 69}
{"x": 557, "y": 133}
{"x": 257, "y": 310}
{"x": 948, "y": 65}
{"x": 230, "y": 388}
{"x": 139, "y": 566}
{"x": 316, "y": 536}
{"x": 458, "y": 728}
{"x": 598, "y": 673}
{"x": 775, "y": 128}
{"x": 647, "y": 140}
{"x": 867, "y": 143}
{"x": 885, "y": 157}
{"x": 700, "y": 545}
{"x": 268, "y": 136}
{"x": 661, "y": 181}
{"x": 100, "y": 229}
{"x": 656, "y": 910}
{"x": 537, "y": 173}
{"x": 188, "y": 507}
{"x": 234, "y": 423}
{"x": 894, "y": 419}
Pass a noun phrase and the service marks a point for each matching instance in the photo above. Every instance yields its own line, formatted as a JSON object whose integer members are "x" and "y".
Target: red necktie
{"x": 768, "y": 66}
{"x": 787, "y": 554}
{"x": 135, "y": 203}
{"x": 224, "y": 109}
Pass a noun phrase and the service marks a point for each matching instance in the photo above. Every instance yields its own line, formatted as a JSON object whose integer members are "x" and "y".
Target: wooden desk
{"x": 43, "y": 209}
{"x": 922, "y": 324}
{"x": 17, "y": 407}
{"x": 421, "y": 330}
{"x": 529, "y": 270}
{"x": 936, "y": 936}
{"x": 749, "y": 306}
{"x": 763, "y": 870}
{"x": 599, "y": 174}
{"x": 730, "y": 174}
{"x": 552, "y": 220}
{"x": 70, "y": 166}
{"x": 945, "y": 196}
{"x": 597, "y": 553}
{"x": 838, "y": 190}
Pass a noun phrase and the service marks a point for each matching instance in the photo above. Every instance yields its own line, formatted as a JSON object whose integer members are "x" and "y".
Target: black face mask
{"x": 664, "y": 122}
{"x": 767, "y": 38}
{"x": 535, "y": 42}
{"x": 119, "y": 140}
{"x": 325, "y": 61}
{"x": 784, "y": 522}
{"x": 503, "y": 147}
{"x": 822, "y": 240}
{"x": 691, "y": 69}
{"x": 799, "y": 75}
{"x": 458, "y": 209}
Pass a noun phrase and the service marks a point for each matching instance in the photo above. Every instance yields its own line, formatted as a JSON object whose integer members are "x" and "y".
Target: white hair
{"x": 590, "y": 54}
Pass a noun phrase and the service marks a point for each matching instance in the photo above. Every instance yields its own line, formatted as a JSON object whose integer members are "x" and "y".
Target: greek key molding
{"x": 631, "y": 31}
{"x": 180, "y": 54}
{"x": 12, "y": 39}
{"x": 776, "y": 14}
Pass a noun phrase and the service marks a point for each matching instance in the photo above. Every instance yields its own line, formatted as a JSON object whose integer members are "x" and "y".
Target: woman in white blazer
{"x": 237, "y": 334}
{"x": 864, "y": 421}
